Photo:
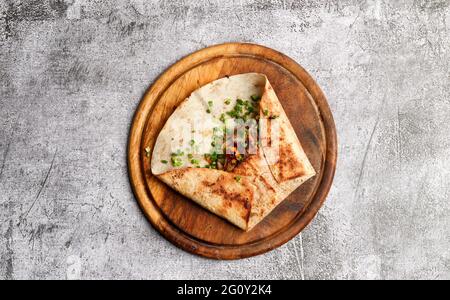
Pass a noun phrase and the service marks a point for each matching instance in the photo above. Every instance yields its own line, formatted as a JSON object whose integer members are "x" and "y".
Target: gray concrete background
{"x": 73, "y": 71}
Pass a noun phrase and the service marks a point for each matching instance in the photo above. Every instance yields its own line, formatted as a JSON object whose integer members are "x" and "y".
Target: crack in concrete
{"x": 9, "y": 261}
{"x": 399, "y": 142}
{"x": 366, "y": 152}
{"x": 300, "y": 258}
{"x": 42, "y": 186}
{"x": 5, "y": 156}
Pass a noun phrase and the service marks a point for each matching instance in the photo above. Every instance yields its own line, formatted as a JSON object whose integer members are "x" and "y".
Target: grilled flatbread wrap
{"x": 242, "y": 185}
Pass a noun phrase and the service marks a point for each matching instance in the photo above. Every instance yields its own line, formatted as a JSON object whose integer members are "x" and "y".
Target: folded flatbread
{"x": 208, "y": 151}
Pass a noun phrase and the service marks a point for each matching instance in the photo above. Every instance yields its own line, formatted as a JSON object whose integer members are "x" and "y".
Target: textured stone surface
{"x": 72, "y": 73}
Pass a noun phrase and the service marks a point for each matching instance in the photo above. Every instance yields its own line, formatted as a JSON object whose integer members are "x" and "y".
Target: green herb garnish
{"x": 227, "y": 101}
{"x": 178, "y": 153}
{"x": 176, "y": 161}
{"x": 210, "y": 103}
{"x": 192, "y": 143}
{"x": 256, "y": 98}
{"x": 212, "y": 157}
{"x": 164, "y": 161}
{"x": 236, "y": 112}
{"x": 243, "y": 110}
{"x": 266, "y": 112}
{"x": 208, "y": 111}
{"x": 238, "y": 179}
{"x": 194, "y": 161}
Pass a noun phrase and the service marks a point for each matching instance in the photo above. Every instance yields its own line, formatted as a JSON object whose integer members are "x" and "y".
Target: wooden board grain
{"x": 186, "y": 224}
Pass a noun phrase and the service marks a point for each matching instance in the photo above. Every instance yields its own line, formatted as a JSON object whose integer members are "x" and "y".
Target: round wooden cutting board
{"x": 193, "y": 228}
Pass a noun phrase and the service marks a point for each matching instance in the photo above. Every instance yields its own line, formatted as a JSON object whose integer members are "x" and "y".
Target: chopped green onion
{"x": 256, "y": 98}
{"x": 266, "y": 112}
{"x": 227, "y": 101}
{"x": 210, "y": 103}
{"x": 178, "y": 153}
{"x": 238, "y": 178}
{"x": 164, "y": 161}
{"x": 176, "y": 161}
